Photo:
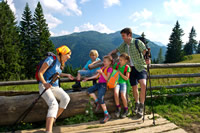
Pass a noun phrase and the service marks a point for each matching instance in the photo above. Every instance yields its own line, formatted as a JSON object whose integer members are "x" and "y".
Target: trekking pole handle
{"x": 148, "y": 53}
{"x": 55, "y": 77}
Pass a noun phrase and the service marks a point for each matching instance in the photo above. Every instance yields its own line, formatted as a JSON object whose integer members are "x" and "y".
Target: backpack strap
{"x": 136, "y": 45}
{"x": 125, "y": 69}
{"x": 54, "y": 62}
{"x": 117, "y": 66}
{"x": 104, "y": 69}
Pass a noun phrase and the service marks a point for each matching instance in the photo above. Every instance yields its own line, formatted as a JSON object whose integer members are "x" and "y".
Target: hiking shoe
{"x": 97, "y": 107}
{"x": 117, "y": 113}
{"x": 125, "y": 114}
{"x": 135, "y": 110}
{"x": 106, "y": 118}
{"x": 140, "y": 109}
{"x": 76, "y": 85}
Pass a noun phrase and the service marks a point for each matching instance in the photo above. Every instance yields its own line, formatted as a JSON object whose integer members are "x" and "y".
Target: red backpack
{"x": 39, "y": 65}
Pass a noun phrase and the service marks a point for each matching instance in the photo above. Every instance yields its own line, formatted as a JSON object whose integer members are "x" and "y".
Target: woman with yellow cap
{"x": 53, "y": 91}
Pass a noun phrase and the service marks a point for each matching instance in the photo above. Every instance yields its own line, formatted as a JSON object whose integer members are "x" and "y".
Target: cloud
{"x": 63, "y": 32}
{"x": 146, "y": 24}
{"x": 98, "y": 27}
{"x": 179, "y": 8}
{"x": 71, "y": 5}
{"x": 187, "y": 13}
{"x": 145, "y": 14}
{"x": 83, "y": 1}
{"x": 12, "y": 6}
{"x": 109, "y": 3}
{"x": 52, "y": 21}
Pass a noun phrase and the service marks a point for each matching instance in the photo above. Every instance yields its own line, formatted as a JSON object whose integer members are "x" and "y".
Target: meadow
{"x": 181, "y": 110}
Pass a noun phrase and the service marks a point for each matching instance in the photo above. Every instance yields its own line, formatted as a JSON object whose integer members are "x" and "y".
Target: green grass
{"x": 180, "y": 110}
{"x": 34, "y": 87}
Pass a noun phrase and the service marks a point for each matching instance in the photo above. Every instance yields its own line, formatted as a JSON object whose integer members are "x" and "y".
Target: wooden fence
{"x": 14, "y": 105}
{"x": 152, "y": 66}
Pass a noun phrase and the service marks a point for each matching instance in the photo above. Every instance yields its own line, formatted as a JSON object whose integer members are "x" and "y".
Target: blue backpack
{"x": 39, "y": 65}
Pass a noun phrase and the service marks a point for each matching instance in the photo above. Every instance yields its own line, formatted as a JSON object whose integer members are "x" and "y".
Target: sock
{"x": 96, "y": 101}
{"x": 138, "y": 102}
{"x": 118, "y": 106}
{"x": 126, "y": 108}
{"x": 106, "y": 112}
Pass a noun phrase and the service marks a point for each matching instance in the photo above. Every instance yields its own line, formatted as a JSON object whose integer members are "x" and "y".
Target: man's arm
{"x": 113, "y": 52}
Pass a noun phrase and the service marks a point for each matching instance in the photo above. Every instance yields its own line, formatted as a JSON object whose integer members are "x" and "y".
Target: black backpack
{"x": 148, "y": 53}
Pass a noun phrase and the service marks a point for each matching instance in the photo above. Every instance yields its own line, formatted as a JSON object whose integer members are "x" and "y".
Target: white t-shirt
{"x": 131, "y": 62}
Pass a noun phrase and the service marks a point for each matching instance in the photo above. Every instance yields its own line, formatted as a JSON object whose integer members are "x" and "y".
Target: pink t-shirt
{"x": 101, "y": 78}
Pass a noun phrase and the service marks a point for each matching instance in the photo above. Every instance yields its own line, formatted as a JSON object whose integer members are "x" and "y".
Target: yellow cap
{"x": 63, "y": 50}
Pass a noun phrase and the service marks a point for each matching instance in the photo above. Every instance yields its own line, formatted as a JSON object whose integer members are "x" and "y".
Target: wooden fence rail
{"x": 152, "y": 66}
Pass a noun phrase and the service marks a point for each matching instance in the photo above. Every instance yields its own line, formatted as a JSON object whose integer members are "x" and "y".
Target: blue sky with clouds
{"x": 155, "y": 18}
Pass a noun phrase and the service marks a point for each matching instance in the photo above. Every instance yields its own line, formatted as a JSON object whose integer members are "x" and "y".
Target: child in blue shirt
{"x": 86, "y": 71}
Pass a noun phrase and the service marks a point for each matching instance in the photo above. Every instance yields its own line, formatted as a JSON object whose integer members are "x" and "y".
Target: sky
{"x": 156, "y": 18}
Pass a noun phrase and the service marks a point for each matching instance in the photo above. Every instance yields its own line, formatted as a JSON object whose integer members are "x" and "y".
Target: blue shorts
{"x": 101, "y": 88}
{"x": 87, "y": 73}
{"x": 121, "y": 87}
{"x": 135, "y": 76}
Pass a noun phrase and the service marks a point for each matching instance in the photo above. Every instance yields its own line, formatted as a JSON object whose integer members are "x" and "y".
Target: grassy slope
{"x": 183, "y": 111}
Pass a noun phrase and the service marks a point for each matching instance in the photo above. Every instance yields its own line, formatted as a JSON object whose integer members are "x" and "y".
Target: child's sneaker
{"x": 117, "y": 113}
{"x": 106, "y": 118}
{"x": 125, "y": 114}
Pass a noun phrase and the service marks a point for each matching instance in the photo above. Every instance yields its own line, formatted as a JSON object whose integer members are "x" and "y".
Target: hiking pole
{"x": 25, "y": 113}
{"x": 145, "y": 97}
{"x": 148, "y": 72}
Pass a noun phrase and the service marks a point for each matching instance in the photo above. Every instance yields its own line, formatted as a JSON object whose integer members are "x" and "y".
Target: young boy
{"x": 85, "y": 71}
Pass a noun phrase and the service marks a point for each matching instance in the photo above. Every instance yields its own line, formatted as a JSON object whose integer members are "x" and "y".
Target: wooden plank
{"x": 123, "y": 127}
{"x": 174, "y": 65}
{"x": 154, "y": 129}
{"x": 113, "y": 123}
{"x": 174, "y": 86}
{"x": 156, "y": 66}
{"x": 179, "y": 130}
{"x": 175, "y": 76}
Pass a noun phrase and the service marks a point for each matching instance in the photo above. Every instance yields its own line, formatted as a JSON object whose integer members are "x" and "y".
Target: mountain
{"x": 159, "y": 43}
{"x": 81, "y": 44}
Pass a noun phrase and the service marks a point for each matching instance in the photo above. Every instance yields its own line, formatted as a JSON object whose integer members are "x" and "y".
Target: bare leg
{"x": 116, "y": 96}
{"x": 124, "y": 100}
{"x": 78, "y": 77}
{"x": 60, "y": 110}
{"x": 135, "y": 93}
{"x": 104, "y": 107}
{"x": 49, "y": 123}
{"x": 93, "y": 96}
{"x": 143, "y": 89}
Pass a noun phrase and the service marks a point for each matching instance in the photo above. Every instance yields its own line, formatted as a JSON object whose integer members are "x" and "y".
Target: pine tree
{"x": 26, "y": 34}
{"x": 174, "y": 48}
{"x": 42, "y": 43}
{"x": 10, "y": 68}
{"x": 198, "y": 48}
{"x": 191, "y": 47}
{"x": 160, "y": 58}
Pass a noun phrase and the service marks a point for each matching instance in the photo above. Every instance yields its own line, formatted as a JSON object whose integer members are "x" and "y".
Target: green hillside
{"x": 81, "y": 44}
